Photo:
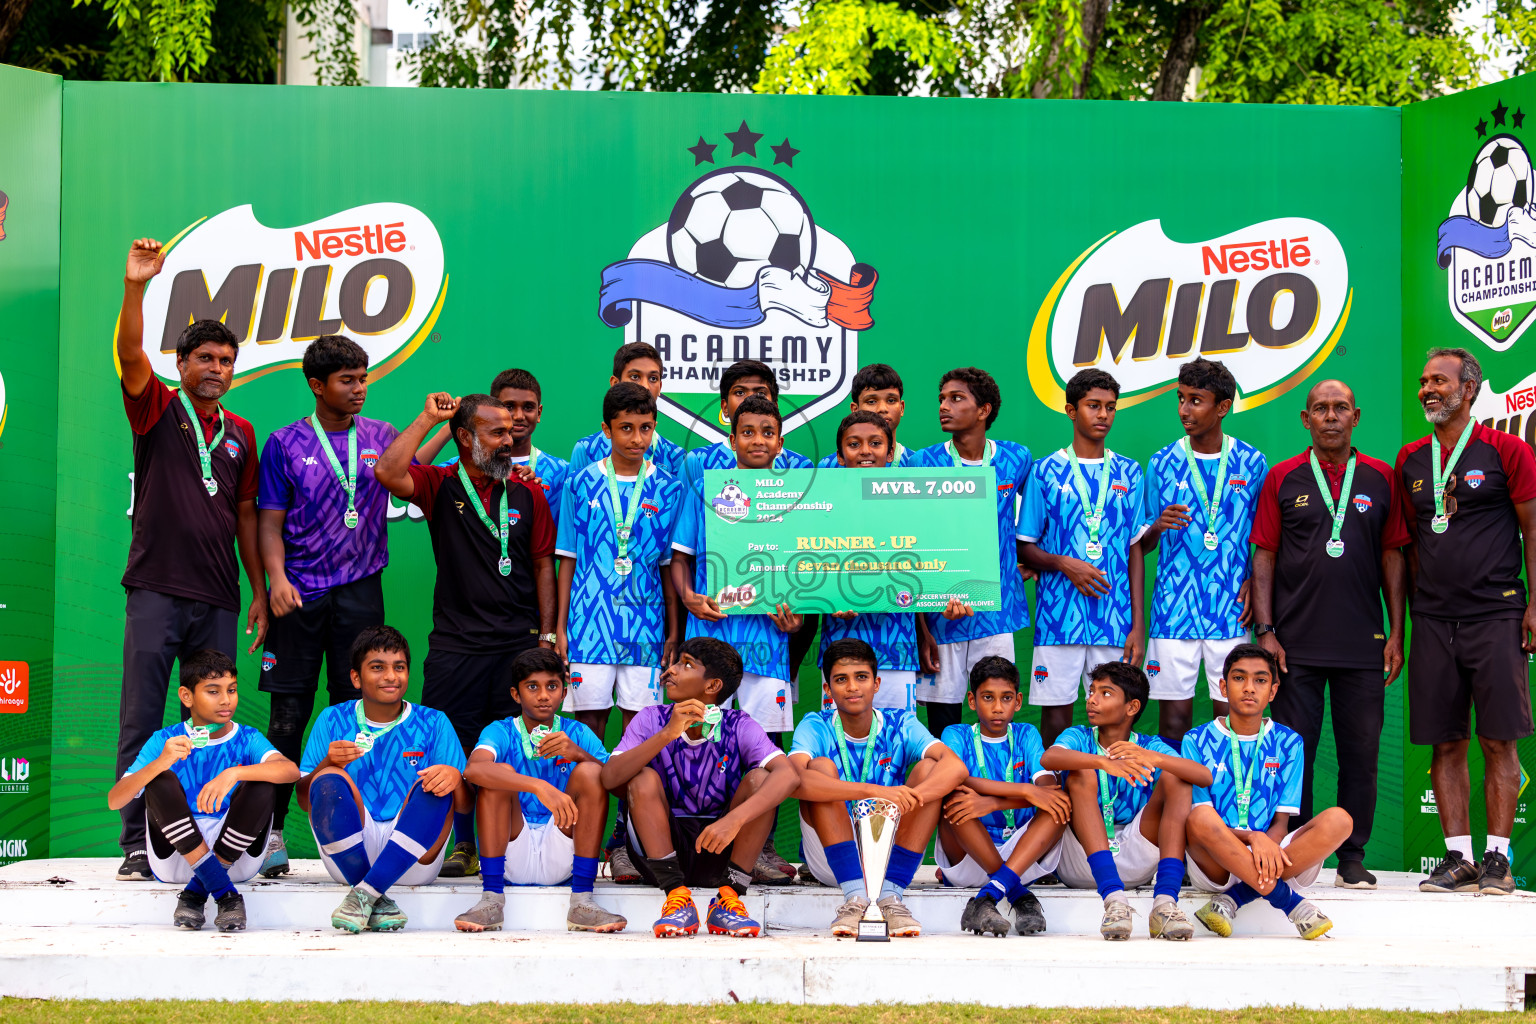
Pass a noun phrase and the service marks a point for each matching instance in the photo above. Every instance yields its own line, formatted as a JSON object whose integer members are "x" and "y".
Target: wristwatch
{"x": 548, "y": 638}
{"x": 1260, "y": 628}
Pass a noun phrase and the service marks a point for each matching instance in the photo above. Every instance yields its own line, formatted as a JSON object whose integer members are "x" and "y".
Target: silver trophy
{"x": 874, "y": 826}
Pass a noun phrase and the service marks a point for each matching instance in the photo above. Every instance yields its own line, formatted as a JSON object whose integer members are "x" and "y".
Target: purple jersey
{"x": 297, "y": 478}
{"x": 701, "y": 777}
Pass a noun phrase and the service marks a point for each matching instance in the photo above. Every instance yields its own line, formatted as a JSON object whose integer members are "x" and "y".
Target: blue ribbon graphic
{"x": 1466, "y": 233}
{"x": 630, "y": 281}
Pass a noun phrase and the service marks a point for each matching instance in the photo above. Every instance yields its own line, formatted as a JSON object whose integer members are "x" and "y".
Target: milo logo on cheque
{"x": 736, "y": 597}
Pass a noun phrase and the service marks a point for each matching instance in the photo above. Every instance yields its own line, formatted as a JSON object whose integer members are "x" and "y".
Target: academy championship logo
{"x": 732, "y": 503}
{"x": 374, "y": 273}
{"x": 741, "y": 270}
{"x": 1487, "y": 241}
{"x": 1269, "y": 300}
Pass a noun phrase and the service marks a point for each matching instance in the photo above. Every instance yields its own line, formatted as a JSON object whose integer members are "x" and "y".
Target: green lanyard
{"x": 1334, "y": 547}
{"x": 531, "y": 740}
{"x": 1212, "y": 506}
{"x": 348, "y": 477}
{"x": 623, "y": 525}
{"x": 1106, "y": 799}
{"x": 869, "y": 747}
{"x": 986, "y": 455}
{"x": 1441, "y": 522}
{"x": 533, "y": 460}
{"x": 901, "y": 453}
{"x": 981, "y": 767}
{"x": 205, "y": 451}
{"x": 1244, "y": 784}
{"x": 504, "y": 565}
{"x": 366, "y": 733}
{"x": 1095, "y": 513}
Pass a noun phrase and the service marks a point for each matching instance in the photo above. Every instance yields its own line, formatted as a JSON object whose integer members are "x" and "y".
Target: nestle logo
{"x": 330, "y": 243}
{"x": 1519, "y": 401}
{"x": 1240, "y": 257}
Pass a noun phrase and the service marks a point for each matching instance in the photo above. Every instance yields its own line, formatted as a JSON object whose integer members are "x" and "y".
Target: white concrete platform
{"x": 1394, "y": 948}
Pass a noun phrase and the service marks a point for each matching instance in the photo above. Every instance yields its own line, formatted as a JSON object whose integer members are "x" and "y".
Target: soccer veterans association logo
{"x": 374, "y": 272}
{"x": 1489, "y": 237}
{"x": 1270, "y": 300}
{"x": 741, "y": 270}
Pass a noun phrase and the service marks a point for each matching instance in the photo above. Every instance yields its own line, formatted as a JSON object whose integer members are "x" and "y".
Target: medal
{"x": 1442, "y": 520}
{"x": 346, "y": 477}
{"x": 205, "y": 451}
{"x": 1211, "y": 505}
{"x": 531, "y": 740}
{"x": 623, "y": 525}
{"x": 364, "y": 741}
{"x": 623, "y": 566}
{"x": 981, "y": 769}
{"x": 1093, "y": 512}
{"x": 366, "y": 733}
{"x": 711, "y": 724}
{"x": 199, "y": 733}
{"x": 504, "y": 565}
{"x": 1334, "y": 546}
{"x": 1094, "y": 550}
{"x": 869, "y": 746}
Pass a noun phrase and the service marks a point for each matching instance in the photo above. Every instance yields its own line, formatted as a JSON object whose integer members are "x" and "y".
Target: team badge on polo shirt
{"x": 369, "y": 457}
{"x": 1362, "y": 503}
{"x": 233, "y": 448}
{"x": 268, "y": 659}
{"x": 513, "y": 515}
{"x": 1474, "y": 478}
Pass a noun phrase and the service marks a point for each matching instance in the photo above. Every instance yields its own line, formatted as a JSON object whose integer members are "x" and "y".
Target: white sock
{"x": 1498, "y": 844}
{"x": 1160, "y": 899}
{"x": 1459, "y": 844}
{"x": 1118, "y": 894}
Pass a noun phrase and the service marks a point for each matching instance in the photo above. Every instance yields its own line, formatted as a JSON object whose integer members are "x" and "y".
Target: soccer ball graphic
{"x": 733, "y": 222}
{"x": 732, "y": 495}
{"x": 1499, "y": 178}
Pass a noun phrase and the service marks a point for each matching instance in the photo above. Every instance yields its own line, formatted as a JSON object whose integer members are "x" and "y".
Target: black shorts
{"x": 700, "y": 870}
{"x": 473, "y": 690}
{"x": 1456, "y": 666}
{"x": 321, "y": 629}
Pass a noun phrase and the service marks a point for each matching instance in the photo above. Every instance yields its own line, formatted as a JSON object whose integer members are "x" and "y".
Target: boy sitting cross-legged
{"x": 852, "y": 751}
{"x": 379, "y": 778}
{"x": 990, "y": 836}
{"x": 702, "y": 782}
{"x": 1130, "y": 801}
{"x": 541, "y": 808}
{"x": 1238, "y": 844}
{"x": 208, "y": 788}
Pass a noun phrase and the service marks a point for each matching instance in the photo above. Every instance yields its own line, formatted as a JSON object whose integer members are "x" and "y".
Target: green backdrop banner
{"x": 459, "y": 233}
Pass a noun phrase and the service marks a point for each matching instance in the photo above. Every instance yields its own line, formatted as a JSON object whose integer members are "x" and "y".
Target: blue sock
{"x": 419, "y": 825}
{"x": 583, "y": 873}
{"x": 1017, "y": 893}
{"x": 843, "y": 859}
{"x": 898, "y": 873}
{"x": 1105, "y": 875}
{"x": 197, "y": 887}
{"x": 1283, "y": 898}
{"x": 338, "y": 826}
{"x": 215, "y": 877}
{"x": 493, "y": 874}
{"x": 464, "y": 827}
{"x": 620, "y": 834}
{"x": 1243, "y": 894}
{"x": 1002, "y": 882}
{"x": 1170, "y": 876}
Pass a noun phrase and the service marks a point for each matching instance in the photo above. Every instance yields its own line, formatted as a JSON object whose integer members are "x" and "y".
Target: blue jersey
{"x": 904, "y": 457}
{"x": 617, "y": 619}
{"x": 1012, "y": 463}
{"x": 1054, "y": 519}
{"x": 1276, "y": 766}
{"x": 421, "y": 737}
{"x": 237, "y": 748}
{"x": 764, "y": 648}
{"x": 1021, "y": 749}
{"x": 502, "y": 740}
{"x": 901, "y": 743}
{"x": 892, "y": 635}
{"x": 1127, "y": 796}
{"x": 596, "y": 447}
{"x": 1195, "y": 597}
{"x": 720, "y": 456}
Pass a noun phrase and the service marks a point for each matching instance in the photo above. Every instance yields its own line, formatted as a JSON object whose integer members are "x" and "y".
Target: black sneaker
{"x": 1454, "y": 874}
{"x": 1495, "y": 879}
{"x": 231, "y": 916}
{"x": 135, "y": 867}
{"x": 980, "y": 915}
{"x": 189, "y": 910}
{"x": 1028, "y": 915}
{"x": 1352, "y": 875}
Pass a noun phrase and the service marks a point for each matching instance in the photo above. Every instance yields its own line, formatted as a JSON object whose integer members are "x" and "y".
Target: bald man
{"x": 1328, "y": 536}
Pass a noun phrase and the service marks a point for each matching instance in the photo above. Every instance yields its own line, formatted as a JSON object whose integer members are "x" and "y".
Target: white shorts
{"x": 1059, "y": 670}
{"x": 593, "y": 687}
{"x": 175, "y": 868}
{"x": 898, "y": 690}
{"x": 1198, "y": 879}
{"x": 767, "y": 701}
{"x": 1136, "y": 862}
{"x": 956, "y": 660}
{"x": 540, "y": 855}
{"x": 815, "y": 855}
{"x": 969, "y": 875}
{"x": 1173, "y": 666}
{"x": 375, "y": 835}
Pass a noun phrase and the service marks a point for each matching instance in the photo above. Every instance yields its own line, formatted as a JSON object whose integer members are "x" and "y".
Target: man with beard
{"x": 194, "y": 492}
{"x": 1468, "y": 493}
{"x": 494, "y": 541}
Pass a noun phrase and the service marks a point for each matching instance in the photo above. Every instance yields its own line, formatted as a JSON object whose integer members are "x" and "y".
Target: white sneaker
{"x": 276, "y": 861}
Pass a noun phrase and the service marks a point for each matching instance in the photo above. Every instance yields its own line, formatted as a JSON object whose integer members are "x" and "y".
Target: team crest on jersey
{"x": 369, "y": 456}
{"x": 1238, "y": 481}
{"x": 268, "y": 659}
{"x": 1474, "y": 478}
{"x": 1119, "y": 488}
{"x": 1272, "y": 766}
{"x": 1153, "y": 668}
{"x": 649, "y": 509}
{"x": 1362, "y": 503}
{"x": 724, "y": 762}
{"x": 232, "y": 447}
{"x": 513, "y": 515}
{"x": 414, "y": 757}
{"x": 732, "y": 503}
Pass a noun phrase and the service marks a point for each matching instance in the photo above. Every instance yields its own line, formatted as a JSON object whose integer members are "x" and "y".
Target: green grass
{"x": 29, "y": 1011}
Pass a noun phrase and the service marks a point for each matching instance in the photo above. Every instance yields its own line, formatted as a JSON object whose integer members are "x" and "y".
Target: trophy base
{"x": 873, "y": 931}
